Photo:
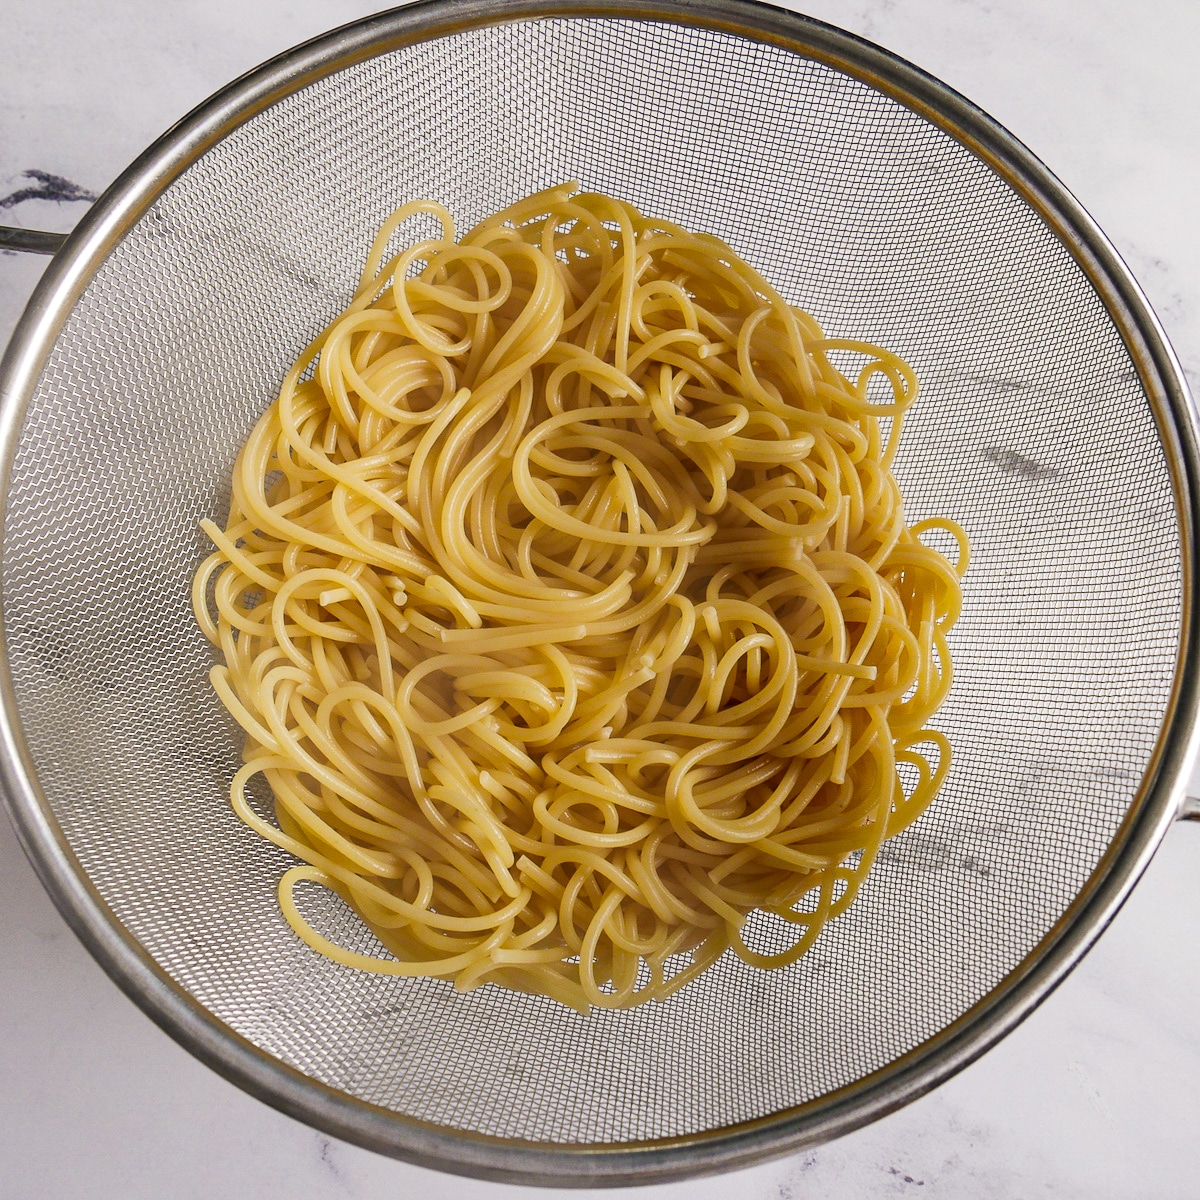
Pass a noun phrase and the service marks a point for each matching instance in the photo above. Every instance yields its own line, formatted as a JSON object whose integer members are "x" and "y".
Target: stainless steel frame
{"x": 1161, "y": 799}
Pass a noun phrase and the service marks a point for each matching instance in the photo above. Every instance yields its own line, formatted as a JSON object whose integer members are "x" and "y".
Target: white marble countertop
{"x": 1096, "y": 1095}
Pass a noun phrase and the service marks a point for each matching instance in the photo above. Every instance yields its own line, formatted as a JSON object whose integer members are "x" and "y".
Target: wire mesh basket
{"x": 1054, "y": 425}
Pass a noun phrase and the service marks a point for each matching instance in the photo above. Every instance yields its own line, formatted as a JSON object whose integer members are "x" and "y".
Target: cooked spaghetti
{"x": 569, "y": 609}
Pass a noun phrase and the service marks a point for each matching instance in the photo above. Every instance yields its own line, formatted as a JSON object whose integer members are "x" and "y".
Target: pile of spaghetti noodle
{"x": 570, "y": 612}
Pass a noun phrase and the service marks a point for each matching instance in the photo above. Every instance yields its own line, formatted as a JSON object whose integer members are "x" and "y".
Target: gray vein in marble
{"x": 46, "y": 187}
{"x": 995, "y": 383}
{"x": 951, "y": 851}
{"x": 791, "y": 1186}
{"x": 1013, "y": 462}
{"x": 327, "y": 1158}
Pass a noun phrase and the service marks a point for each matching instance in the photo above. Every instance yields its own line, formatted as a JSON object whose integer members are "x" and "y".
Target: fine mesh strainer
{"x": 1054, "y": 425}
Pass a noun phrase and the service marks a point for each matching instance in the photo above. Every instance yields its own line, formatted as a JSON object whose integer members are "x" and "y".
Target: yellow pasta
{"x": 569, "y": 609}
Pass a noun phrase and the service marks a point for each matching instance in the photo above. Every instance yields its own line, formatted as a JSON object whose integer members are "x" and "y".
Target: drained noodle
{"x": 569, "y": 609}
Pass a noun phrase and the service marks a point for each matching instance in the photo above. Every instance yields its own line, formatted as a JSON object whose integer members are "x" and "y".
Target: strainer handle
{"x": 31, "y": 241}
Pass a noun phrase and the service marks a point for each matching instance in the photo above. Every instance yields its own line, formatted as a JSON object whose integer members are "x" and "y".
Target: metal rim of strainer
{"x": 1160, "y": 798}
